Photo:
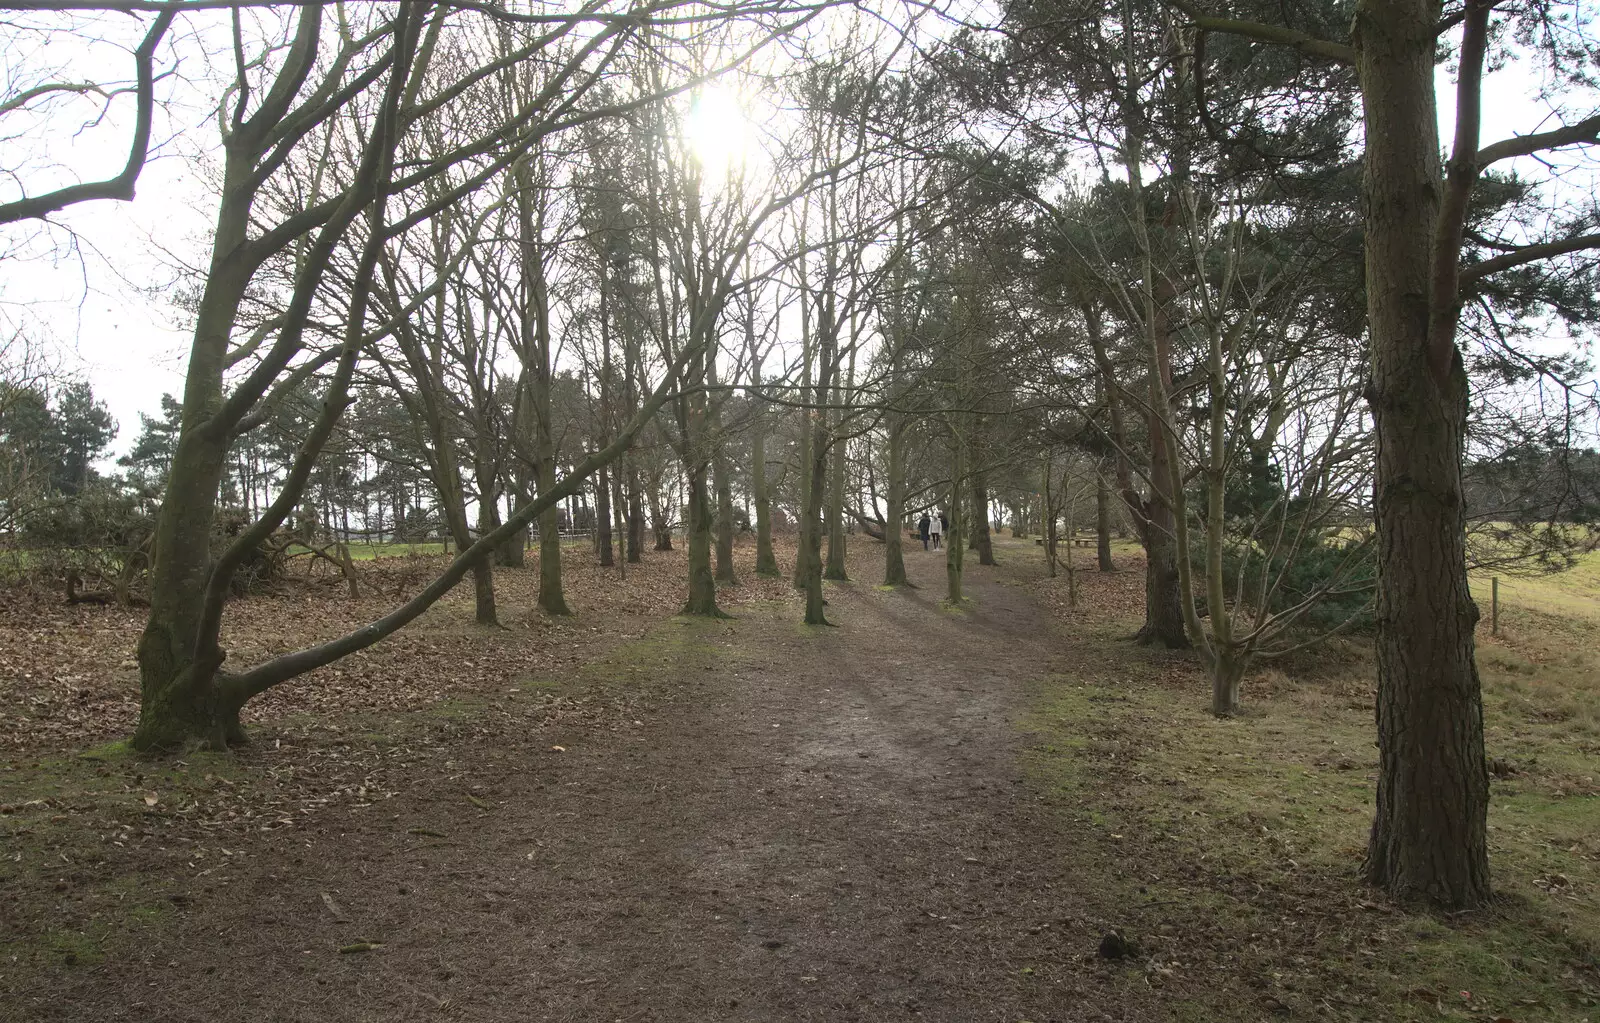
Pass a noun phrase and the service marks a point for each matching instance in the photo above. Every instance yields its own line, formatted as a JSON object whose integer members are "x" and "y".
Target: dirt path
{"x": 799, "y": 825}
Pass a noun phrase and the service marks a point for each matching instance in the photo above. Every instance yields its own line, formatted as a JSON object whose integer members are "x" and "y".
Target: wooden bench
{"x": 1077, "y": 541}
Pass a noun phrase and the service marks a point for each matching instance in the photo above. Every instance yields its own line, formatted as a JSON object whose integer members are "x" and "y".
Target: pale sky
{"x": 107, "y": 305}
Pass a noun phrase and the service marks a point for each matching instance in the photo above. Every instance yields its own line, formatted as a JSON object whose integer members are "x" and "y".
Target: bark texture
{"x": 1429, "y": 834}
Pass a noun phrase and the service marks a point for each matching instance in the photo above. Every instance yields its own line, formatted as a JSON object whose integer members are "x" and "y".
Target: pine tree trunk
{"x": 1102, "y": 523}
{"x": 1429, "y": 834}
{"x": 1163, "y": 622}
{"x": 1163, "y": 610}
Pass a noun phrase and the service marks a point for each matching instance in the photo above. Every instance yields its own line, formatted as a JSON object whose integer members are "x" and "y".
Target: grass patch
{"x": 677, "y": 647}
{"x": 1235, "y": 846}
{"x": 1572, "y": 596}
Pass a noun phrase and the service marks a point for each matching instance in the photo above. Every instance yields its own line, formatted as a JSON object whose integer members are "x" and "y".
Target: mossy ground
{"x": 1247, "y": 835}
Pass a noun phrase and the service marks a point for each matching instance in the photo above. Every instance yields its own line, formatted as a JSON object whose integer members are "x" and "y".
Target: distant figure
{"x": 935, "y": 530}
{"x": 922, "y": 530}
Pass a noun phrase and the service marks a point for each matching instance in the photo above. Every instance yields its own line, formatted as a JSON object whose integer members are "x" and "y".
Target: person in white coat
{"x": 935, "y": 529}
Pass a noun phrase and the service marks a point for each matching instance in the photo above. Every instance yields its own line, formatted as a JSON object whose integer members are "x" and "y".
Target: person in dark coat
{"x": 922, "y": 529}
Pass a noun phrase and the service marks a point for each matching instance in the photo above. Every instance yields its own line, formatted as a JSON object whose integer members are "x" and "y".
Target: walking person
{"x": 922, "y": 530}
{"x": 936, "y": 530}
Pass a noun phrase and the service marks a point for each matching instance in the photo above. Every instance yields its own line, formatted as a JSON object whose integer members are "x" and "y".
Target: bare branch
{"x": 119, "y": 187}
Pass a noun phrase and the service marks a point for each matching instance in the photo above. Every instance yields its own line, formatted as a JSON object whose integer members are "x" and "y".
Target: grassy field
{"x": 369, "y": 551}
{"x": 1238, "y": 844}
{"x": 1573, "y": 594}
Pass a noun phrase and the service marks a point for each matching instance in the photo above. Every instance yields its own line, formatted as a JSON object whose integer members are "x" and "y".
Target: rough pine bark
{"x": 1163, "y": 623}
{"x": 1429, "y": 838}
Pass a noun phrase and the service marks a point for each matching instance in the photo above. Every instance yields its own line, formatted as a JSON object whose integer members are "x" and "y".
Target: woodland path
{"x": 805, "y": 825}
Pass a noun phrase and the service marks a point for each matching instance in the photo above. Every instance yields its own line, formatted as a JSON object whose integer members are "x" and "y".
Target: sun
{"x": 719, "y": 133}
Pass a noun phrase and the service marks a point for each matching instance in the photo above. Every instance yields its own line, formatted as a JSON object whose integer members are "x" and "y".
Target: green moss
{"x": 118, "y": 750}
{"x": 72, "y": 948}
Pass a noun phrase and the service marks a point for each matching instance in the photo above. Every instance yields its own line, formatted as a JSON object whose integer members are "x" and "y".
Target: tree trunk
{"x": 1047, "y": 517}
{"x": 182, "y": 698}
{"x": 1163, "y": 622}
{"x": 980, "y": 520}
{"x": 175, "y": 705}
{"x": 835, "y": 568}
{"x": 702, "y": 583}
{"x": 1163, "y": 609}
{"x": 514, "y": 552}
{"x": 811, "y": 524}
{"x": 725, "y": 528}
{"x": 635, "y": 518}
{"x": 1429, "y": 833}
{"x": 1102, "y": 522}
{"x": 660, "y": 521}
{"x": 816, "y": 482}
{"x": 723, "y": 480}
{"x": 482, "y": 572}
{"x": 808, "y": 461}
{"x": 535, "y": 352}
{"x": 1226, "y": 673}
{"x": 894, "y": 520}
{"x": 954, "y": 549}
{"x": 766, "y": 560}
{"x": 551, "y": 598}
{"x": 619, "y": 522}
{"x": 602, "y": 518}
